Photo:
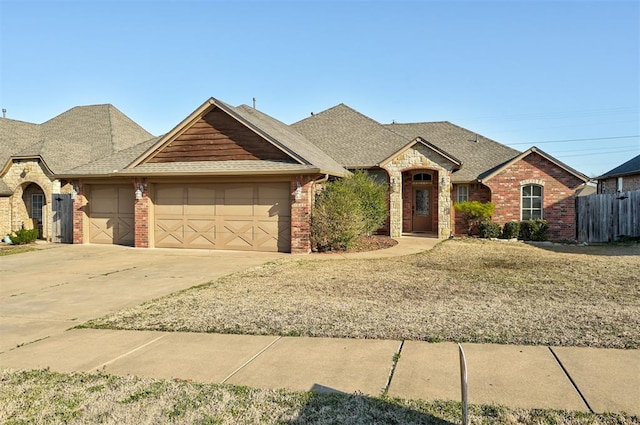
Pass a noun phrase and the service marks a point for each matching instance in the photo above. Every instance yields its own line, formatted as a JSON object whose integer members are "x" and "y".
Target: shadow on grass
{"x": 614, "y": 249}
{"x": 329, "y": 406}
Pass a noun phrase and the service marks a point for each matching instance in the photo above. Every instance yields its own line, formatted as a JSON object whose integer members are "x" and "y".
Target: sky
{"x": 561, "y": 75}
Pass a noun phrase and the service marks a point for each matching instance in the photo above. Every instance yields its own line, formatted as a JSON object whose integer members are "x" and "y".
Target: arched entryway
{"x": 420, "y": 200}
{"x": 31, "y": 213}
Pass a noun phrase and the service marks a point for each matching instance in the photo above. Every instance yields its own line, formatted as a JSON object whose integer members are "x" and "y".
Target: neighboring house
{"x": 623, "y": 178}
{"x": 33, "y": 157}
{"x": 234, "y": 178}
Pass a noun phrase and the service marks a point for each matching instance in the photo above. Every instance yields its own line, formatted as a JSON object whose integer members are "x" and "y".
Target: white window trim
{"x": 532, "y": 197}
{"x": 619, "y": 184}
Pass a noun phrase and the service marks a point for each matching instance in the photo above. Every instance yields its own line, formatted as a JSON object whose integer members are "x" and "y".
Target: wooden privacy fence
{"x": 608, "y": 216}
{"x": 62, "y": 218}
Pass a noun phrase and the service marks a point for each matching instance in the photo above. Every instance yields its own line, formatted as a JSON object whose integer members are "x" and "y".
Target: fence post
{"x": 464, "y": 386}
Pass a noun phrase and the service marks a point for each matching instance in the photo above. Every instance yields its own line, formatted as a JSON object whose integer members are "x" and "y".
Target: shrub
{"x": 371, "y": 197}
{"x": 511, "y": 230}
{"x": 347, "y": 209}
{"x": 489, "y": 229}
{"x": 24, "y": 236}
{"x": 475, "y": 212}
{"x": 534, "y": 230}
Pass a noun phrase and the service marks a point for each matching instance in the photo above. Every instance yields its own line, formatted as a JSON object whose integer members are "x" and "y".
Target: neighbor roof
{"x": 632, "y": 166}
{"x": 80, "y": 135}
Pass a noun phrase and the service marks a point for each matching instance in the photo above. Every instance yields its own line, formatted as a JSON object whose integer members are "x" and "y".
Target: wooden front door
{"x": 422, "y": 209}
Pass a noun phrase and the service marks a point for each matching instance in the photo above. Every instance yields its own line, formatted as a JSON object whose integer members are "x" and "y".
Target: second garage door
{"x": 241, "y": 216}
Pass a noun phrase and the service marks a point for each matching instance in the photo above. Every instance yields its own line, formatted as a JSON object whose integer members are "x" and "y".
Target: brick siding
{"x": 301, "y": 204}
{"x": 559, "y": 188}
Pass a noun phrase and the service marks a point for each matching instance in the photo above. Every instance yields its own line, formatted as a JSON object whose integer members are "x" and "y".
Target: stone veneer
{"x": 420, "y": 157}
{"x": 13, "y": 211}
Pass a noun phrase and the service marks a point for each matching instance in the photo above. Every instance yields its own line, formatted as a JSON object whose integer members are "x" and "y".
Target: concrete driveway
{"x": 45, "y": 292}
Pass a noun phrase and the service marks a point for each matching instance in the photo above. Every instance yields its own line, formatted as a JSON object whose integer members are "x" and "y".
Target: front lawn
{"x": 43, "y": 397}
{"x": 463, "y": 290}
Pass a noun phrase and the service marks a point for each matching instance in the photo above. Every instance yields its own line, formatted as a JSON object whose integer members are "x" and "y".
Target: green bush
{"x": 347, "y": 209}
{"x": 511, "y": 230}
{"x": 489, "y": 229}
{"x": 534, "y": 230}
{"x": 371, "y": 197}
{"x": 24, "y": 236}
{"x": 475, "y": 212}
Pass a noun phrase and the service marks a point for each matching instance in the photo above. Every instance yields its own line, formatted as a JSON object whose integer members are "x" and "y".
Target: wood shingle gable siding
{"x": 218, "y": 137}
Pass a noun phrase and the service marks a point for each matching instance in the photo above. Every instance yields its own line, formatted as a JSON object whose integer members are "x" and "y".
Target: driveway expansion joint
{"x": 566, "y": 372}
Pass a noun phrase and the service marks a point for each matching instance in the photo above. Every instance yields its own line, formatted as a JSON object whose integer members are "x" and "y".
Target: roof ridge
{"x": 110, "y": 123}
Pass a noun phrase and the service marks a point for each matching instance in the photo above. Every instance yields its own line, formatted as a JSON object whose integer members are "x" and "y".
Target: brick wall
{"x": 302, "y": 190}
{"x": 477, "y": 192}
{"x": 629, "y": 183}
{"x": 559, "y": 188}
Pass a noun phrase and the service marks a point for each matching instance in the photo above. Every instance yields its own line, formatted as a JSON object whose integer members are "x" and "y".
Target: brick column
{"x": 79, "y": 216}
{"x": 141, "y": 220}
{"x": 301, "y": 203}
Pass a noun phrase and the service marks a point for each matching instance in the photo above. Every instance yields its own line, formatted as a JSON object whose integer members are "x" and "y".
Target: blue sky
{"x": 523, "y": 73}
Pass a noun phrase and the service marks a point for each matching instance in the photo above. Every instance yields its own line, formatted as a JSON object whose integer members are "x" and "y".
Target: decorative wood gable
{"x": 217, "y": 136}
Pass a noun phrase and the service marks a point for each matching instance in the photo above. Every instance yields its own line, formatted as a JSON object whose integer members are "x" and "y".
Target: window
{"x": 463, "y": 193}
{"x": 422, "y": 177}
{"x": 619, "y": 184}
{"x": 531, "y": 202}
{"x": 37, "y": 201}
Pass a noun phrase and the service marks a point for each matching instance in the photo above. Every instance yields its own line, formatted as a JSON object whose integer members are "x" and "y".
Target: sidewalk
{"x": 583, "y": 379}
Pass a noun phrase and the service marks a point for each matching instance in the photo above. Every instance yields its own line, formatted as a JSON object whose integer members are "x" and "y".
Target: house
{"x": 623, "y": 178}
{"x": 235, "y": 178}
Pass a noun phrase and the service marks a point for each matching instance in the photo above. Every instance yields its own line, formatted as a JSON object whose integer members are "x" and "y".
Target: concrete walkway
{"x": 583, "y": 379}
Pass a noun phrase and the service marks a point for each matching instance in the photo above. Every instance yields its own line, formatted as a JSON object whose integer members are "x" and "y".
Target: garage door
{"x": 242, "y": 216}
{"x": 111, "y": 214}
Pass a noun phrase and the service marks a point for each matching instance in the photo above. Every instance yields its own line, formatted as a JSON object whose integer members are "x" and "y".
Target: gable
{"x": 217, "y": 137}
{"x": 539, "y": 168}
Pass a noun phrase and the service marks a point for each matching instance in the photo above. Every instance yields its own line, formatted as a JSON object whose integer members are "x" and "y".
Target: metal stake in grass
{"x": 464, "y": 386}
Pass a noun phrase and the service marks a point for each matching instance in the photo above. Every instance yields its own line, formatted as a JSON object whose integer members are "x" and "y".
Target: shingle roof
{"x": 220, "y": 167}
{"x": 355, "y": 140}
{"x": 78, "y": 136}
{"x": 632, "y": 166}
{"x": 291, "y": 140}
{"x": 112, "y": 163}
{"x": 477, "y": 153}
{"x": 352, "y": 139}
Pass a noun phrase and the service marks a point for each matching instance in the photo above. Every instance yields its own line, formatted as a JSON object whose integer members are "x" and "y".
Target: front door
{"x": 422, "y": 217}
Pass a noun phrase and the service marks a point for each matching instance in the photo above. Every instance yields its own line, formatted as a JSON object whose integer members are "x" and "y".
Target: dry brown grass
{"x": 43, "y": 397}
{"x": 462, "y": 290}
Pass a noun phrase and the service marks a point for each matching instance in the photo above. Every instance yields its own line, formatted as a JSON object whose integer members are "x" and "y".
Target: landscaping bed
{"x": 463, "y": 290}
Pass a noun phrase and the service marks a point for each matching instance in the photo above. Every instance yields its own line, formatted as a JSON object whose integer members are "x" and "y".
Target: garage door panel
{"x": 111, "y": 214}
{"x": 224, "y": 216}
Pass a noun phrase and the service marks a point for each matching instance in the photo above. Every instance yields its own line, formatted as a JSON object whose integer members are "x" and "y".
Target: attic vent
{"x": 477, "y": 140}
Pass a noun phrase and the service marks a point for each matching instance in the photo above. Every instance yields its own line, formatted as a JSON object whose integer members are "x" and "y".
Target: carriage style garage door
{"x": 111, "y": 214}
{"x": 235, "y": 216}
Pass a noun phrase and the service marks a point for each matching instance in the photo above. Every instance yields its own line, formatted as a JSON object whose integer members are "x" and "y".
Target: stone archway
{"x": 30, "y": 208}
